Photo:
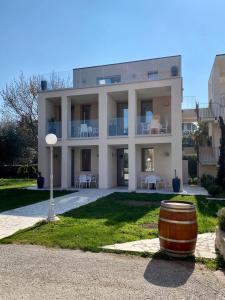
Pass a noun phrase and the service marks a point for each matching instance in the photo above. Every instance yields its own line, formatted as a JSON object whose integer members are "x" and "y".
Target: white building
{"x": 118, "y": 122}
{"x": 209, "y": 154}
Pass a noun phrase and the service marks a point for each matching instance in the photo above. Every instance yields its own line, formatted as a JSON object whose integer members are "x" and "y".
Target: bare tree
{"x": 20, "y": 101}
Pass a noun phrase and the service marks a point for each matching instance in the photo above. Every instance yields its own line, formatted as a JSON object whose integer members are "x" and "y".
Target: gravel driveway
{"x": 32, "y": 272}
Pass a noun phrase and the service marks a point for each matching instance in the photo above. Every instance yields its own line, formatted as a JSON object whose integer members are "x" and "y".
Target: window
{"x": 108, "y": 80}
{"x": 147, "y": 159}
{"x": 85, "y": 113}
{"x": 86, "y": 160}
{"x": 146, "y": 111}
{"x": 153, "y": 75}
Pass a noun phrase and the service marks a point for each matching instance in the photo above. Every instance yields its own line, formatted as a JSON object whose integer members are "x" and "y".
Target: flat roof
{"x": 127, "y": 62}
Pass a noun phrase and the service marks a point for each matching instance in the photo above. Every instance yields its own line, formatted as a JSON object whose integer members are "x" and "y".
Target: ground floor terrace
{"x": 132, "y": 166}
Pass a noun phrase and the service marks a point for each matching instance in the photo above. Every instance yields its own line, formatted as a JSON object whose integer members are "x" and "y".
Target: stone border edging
{"x": 220, "y": 241}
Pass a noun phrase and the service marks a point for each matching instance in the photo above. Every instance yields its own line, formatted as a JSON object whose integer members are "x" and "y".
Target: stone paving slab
{"x": 27, "y": 216}
{"x": 205, "y": 246}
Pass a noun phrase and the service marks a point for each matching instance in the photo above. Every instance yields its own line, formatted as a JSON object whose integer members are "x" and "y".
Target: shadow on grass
{"x": 117, "y": 208}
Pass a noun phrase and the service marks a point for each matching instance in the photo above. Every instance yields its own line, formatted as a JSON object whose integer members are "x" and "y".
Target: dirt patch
{"x": 149, "y": 225}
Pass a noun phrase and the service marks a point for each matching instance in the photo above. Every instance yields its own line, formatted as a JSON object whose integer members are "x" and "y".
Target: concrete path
{"x": 27, "y": 216}
{"x": 32, "y": 272}
{"x": 205, "y": 246}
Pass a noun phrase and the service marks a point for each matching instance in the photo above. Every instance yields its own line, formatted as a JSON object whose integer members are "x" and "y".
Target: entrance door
{"x": 122, "y": 167}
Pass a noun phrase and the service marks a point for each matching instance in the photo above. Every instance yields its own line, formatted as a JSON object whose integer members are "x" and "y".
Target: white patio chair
{"x": 90, "y": 131}
{"x": 82, "y": 181}
{"x": 93, "y": 180}
{"x": 164, "y": 127}
{"x": 145, "y": 128}
{"x": 83, "y": 130}
{"x": 155, "y": 126}
{"x": 150, "y": 179}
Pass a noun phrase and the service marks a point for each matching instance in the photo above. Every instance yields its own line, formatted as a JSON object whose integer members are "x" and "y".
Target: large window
{"x": 108, "y": 80}
{"x": 146, "y": 111}
{"x": 86, "y": 160}
{"x": 147, "y": 159}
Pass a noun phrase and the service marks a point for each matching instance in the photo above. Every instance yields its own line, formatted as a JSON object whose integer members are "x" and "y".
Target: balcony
{"x": 118, "y": 127}
{"x": 54, "y": 127}
{"x": 209, "y": 155}
{"x": 152, "y": 127}
{"x": 83, "y": 129}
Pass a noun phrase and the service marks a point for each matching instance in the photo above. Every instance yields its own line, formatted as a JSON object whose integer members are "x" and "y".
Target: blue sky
{"x": 37, "y": 37}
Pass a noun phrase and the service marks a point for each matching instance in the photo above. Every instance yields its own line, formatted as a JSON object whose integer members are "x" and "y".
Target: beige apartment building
{"x": 209, "y": 154}
{"x": 117, "y": 122}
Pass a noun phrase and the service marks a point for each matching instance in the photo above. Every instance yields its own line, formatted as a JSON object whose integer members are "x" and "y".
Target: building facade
{"x": 209, "y": 153}
{"x": 118, "y": 122}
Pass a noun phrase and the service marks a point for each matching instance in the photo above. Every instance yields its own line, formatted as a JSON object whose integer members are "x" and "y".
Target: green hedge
{"x": 18, "y": 171}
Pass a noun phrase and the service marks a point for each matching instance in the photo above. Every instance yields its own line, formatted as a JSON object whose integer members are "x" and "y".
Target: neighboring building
{"x": 189, "y": 126}
{"x": 209, "y": 155}
{"x": 117, "y": 121}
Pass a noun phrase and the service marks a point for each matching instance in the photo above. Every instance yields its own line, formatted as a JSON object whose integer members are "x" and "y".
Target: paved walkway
{"x": 205, "y": 246}
{"x": 27, "y": 216}
{"x": 37, "y": 273}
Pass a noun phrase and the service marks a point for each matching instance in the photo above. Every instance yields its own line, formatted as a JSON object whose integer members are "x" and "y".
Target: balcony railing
{"x": 83, "y": 129}
{"x": 118, "y": 127}
{"x": 54, "y": 127}
{"x": 209, "y": 155}
{"x": 151, "y": 127}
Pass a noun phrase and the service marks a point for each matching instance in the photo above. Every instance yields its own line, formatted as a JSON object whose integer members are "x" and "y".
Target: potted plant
{"x": 176, "y": 183}
{"x": 40, "y": 181}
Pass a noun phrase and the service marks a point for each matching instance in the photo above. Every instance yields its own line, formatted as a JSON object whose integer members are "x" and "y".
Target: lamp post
{"x": 51, "y": 139}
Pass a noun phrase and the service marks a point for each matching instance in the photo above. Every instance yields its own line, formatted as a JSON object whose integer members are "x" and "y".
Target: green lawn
{"x": 117, "y": 218}
{"x": 11, "y": 183}
{"x": 12, "y": 196}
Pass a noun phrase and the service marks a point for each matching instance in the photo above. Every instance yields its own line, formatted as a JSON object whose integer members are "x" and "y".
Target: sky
{"x": 37, "y": 37}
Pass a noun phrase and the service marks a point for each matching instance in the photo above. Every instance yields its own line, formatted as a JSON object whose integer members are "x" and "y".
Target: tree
{"x": 20, "y": 103}
{"x": 10, "y": 143}
{"x": 221, "y": 171}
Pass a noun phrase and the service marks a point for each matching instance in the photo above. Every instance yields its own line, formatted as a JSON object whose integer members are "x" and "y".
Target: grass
{"x": 12, "y": 196}
{"x": 113, "y": 219}
{"x": 11, "y": 183}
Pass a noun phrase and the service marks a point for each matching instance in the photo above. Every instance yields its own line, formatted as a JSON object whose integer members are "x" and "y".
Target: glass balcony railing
{"x": 83, "y": 129}
{"x": 55, "y": 127}
{"x": 118, "y": 126}
{"x": 151, "y": 126}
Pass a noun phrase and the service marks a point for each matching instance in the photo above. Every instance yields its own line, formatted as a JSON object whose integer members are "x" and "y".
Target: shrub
{"x": 27, "y": 170}
{"x": 207, "y": 180}
{"x": 221, "y": 217}
{"x": 8, "y": 171}
{"x": 214, "y": 189}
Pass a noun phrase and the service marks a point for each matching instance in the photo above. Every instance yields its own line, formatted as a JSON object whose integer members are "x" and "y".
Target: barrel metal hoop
{"x": 168, "y": 204}
{"x": 177, "y": 251}
{"x": 177, "y": 241}
{"x": 177, "y": 222}
{"x": 177, "y": 210}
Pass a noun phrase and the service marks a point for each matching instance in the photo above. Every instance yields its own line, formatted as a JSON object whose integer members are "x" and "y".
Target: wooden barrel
{"x": 177, "y": 228}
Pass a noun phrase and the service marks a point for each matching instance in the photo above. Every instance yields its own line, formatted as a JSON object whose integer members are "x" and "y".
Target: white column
{"x": 64, "y": 109}
{"x": 176, "y": 121}
{"x": 132, "y": 167}
{"x": 102, "y": 115}
{"x": 66, "y": 167}
{"x": 103, "y": 163}
{"x": 132, "y": 112}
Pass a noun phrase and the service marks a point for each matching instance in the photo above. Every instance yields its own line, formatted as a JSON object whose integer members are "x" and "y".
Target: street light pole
{"x": 51, "y": 139}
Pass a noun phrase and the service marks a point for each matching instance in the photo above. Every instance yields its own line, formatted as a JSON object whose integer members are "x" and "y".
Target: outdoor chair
{"x": 83, "y": 130}
{"x": 83, "y": 181}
